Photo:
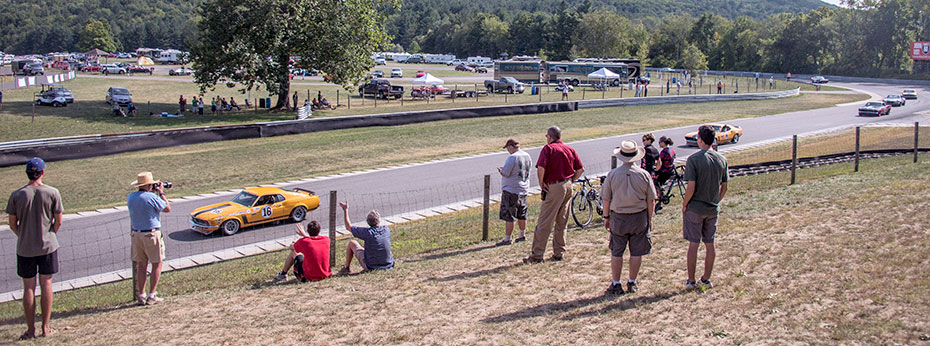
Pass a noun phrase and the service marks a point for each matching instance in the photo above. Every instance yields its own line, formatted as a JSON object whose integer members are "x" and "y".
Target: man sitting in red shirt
{"x": 309, "y": 255}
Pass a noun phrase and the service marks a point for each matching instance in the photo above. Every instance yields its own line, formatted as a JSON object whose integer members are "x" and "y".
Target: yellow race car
{"x": 726, "y": 133}
{"x": 254, "y": 206}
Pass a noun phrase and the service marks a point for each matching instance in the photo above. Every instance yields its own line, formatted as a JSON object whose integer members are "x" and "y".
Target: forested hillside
{"x": 803, "y": 36}
{"x": 39, "y": 26}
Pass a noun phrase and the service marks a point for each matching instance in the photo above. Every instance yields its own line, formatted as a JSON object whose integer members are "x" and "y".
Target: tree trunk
{"x": 285, "y": 84}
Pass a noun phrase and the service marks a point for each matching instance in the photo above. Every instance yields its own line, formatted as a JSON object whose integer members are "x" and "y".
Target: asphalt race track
{"x": 99, "y": 243}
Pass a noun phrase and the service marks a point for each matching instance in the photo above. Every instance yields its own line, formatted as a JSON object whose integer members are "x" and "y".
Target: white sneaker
{"x": 153, "y": 300}
{"x": 280, "y": 277}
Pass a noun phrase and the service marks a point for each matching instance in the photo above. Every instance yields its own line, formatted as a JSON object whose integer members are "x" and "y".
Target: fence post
{"x": 337, "y": 97}
{"x": 613, "y": 162}
{"x": 487, "y": 206}
{"x": 582, "y": 92}
{"x": 856, "y": 165}
{"x": 476, "y": 93}
{"x": 349, "y": 100}
{"x": 794, "y": 158}
{"x": 135, "y": 290}
{"x": 455, "y": 89}
{"x": 332, "y": 227}
{"x": 916, "y": 133}
{"x": 539, "y": 93}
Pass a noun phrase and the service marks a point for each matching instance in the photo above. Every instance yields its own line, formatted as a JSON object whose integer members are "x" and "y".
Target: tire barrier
{"x": 815, "y": 161}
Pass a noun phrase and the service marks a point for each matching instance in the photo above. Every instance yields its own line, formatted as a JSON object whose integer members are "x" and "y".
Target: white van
{"x": 480, "y": 60}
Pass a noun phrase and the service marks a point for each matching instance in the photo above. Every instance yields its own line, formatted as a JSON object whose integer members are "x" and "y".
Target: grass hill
{"x": 837, "y": 259}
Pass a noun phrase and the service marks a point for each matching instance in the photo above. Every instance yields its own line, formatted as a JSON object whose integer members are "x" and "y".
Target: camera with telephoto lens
{"x": 164, "y": 184}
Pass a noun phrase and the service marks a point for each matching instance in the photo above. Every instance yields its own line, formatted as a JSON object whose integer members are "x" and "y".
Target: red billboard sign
{"x": 920, "y": 50}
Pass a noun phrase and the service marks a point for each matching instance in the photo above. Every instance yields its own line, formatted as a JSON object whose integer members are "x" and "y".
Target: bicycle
{"x": 586, "y": 201}
{"x": 668, "y": 189}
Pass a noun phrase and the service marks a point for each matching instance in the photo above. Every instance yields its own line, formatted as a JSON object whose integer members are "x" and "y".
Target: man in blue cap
{"x": 35, "y": 217}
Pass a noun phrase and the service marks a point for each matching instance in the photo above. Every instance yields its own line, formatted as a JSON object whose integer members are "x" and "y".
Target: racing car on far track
{"x": 725, "y": 133}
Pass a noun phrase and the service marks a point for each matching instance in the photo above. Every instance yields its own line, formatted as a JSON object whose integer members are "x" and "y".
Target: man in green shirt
{"x": 707, "y": 177}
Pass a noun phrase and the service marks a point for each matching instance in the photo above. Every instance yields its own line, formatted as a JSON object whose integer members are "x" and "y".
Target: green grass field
{"x": 235, "y": 164}
{"x": 91, "y": 115}
{"x": 805, "y": 278}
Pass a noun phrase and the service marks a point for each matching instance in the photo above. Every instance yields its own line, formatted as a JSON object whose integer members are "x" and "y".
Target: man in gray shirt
{"x": 707, "y": 177}
{"x": 35, "y": 217}
{"x": 515, "y": 179}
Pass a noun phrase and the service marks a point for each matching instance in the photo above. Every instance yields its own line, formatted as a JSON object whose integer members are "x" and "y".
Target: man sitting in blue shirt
{"x": 148, "y": 244}
{"x": 376, "y": 254}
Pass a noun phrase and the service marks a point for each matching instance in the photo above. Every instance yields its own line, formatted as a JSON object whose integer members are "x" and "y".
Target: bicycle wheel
{"x": 582, "y": 210}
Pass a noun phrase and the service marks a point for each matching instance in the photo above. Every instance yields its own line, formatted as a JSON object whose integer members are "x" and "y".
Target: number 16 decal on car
{"x": 266, "y": 211}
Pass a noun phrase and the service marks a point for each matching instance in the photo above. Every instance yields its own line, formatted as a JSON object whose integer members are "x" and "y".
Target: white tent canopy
{"x": 428, "y": 79}
{"x": 603, "y": 73}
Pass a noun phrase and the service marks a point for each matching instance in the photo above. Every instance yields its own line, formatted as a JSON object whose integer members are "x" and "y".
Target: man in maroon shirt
{"x": 309, "y": 255}
{"x": 557, "y": 167}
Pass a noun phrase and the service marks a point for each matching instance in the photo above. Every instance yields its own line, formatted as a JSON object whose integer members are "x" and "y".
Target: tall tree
{"x": 96, "y": 34}
{"x": 251, "y": 42}
{"x": 602, "y": 34}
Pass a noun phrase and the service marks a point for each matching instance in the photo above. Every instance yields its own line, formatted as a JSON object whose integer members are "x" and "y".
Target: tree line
{"x": 867, "y": 38}
{"x": 864, "y": 38}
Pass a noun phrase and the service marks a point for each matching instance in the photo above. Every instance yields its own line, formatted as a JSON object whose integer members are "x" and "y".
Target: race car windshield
{"x": 873, "y": 104}
{"x": 245, "y": 199}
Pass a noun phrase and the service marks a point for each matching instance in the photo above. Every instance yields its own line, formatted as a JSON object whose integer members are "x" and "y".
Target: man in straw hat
{"x": 629, "y": 200}
{"x": 148, "y": 245}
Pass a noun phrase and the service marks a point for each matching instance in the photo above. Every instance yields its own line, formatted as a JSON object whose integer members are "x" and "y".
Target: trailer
{"x": 439, "y": 58}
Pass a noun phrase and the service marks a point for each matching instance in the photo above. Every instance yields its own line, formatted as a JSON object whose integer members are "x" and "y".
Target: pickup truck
{"x": 381, "y": 88}
{"x": 508, "y": 84}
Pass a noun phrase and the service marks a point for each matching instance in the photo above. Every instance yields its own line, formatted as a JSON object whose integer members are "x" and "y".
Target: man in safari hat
{"x": 148, "y": 245}
{"x": 629, "y": 205}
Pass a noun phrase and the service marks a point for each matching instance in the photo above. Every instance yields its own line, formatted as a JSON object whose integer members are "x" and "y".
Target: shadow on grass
{"x": 624, "y": 304}
{"x": 99, "y": 111}
{"x": 479, "y": 273}
{"x": 557, "y": 308}
{"x": 62, "y": 315}
{"x": 451, "y": 254}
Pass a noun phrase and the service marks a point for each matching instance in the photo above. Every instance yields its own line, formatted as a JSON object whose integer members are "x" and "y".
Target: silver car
{"x": 118, "y": 95}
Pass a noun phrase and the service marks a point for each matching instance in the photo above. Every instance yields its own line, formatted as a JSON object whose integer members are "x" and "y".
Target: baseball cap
{"x": 35, "y": 164}
{"x": 511, "y": 142}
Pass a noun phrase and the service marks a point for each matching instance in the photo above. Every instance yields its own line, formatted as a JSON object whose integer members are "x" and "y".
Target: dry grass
{"x": 834, "y": 260}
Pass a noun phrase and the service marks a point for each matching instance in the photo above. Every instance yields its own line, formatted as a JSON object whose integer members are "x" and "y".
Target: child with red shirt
{"x": 309, "y": 255}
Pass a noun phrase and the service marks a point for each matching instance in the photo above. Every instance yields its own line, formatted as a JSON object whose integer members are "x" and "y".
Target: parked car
{"x": 725, "y": 133}
{"x": 380, "y": 61}
{"x": 414, "y": 59}
{"x": 381, "y": 88}
{"x": 91, "y": 68}
{"x": 909, "y": 94}
{"x": 506, "y": 84}
{"x": 819, "y": 80}
{"x": 396, "y": 72}
{"x": 184, "y": 71}
{"x": 119, "y": 95}
{"x": 894, "y": 100}
{"x": 425, "y": 91}
{"x": 139, "y": 69}
{"x": 27, "y": 68}
{"x": 456, "y": 62}
{"x": 420, "y": 73}
{"x": 377, "y": 74}
{"x": 254, "y": 206}
{"x": 112, "y": 69}
{"x": 874, "y": 108}
{"x": 465, "y": 68}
